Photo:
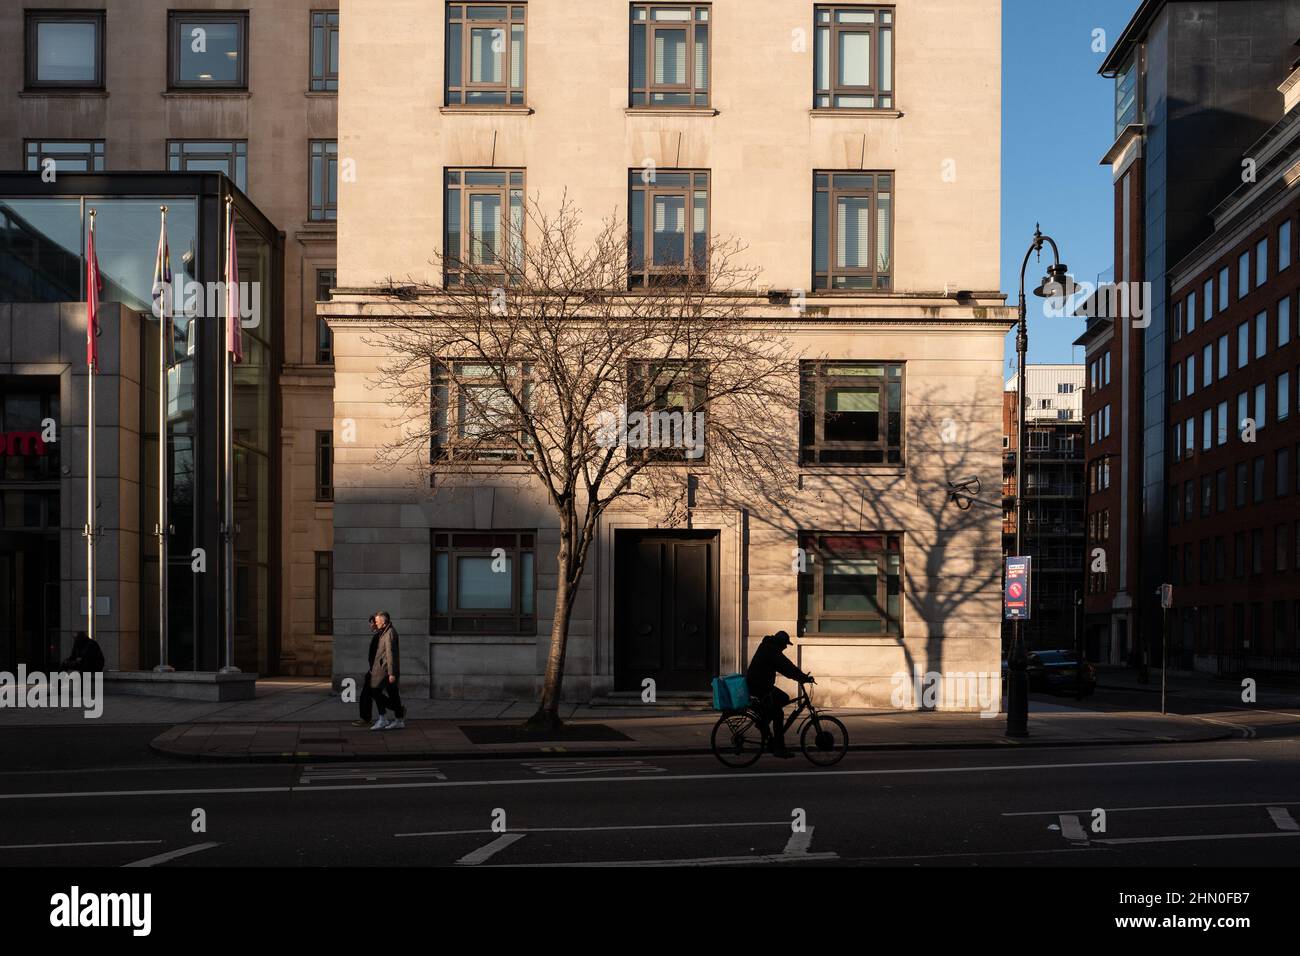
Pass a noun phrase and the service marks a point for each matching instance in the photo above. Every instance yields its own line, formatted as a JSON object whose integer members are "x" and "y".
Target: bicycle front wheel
{"x": 824, "y": 740}
{"x": 738, "y": 739}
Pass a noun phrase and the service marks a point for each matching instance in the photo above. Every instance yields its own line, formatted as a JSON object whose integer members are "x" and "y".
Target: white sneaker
{"x": 397, "y": 724}
{"x": 380, "y": 724}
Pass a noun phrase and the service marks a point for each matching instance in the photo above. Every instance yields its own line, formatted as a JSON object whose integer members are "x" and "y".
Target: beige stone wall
{"x": 278, "y": 116}
{"x": 762, "y": 145}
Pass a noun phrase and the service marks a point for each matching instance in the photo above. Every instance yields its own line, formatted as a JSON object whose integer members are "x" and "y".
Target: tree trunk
{"x": 547, "y": 716}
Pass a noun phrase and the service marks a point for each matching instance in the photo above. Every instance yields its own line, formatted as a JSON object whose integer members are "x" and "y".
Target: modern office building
{"x": 1234, "y": 433}
{"x": 1196, "y": 83}
{"x": 1054, "y": 477}
{"x": 249, "y": 90}
{"x": 861, "y": 166}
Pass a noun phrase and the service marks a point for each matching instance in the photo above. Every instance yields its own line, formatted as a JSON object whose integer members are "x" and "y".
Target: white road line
{"x": 49, "y": 846}
{"x": 737, "y": 776}
{"x": 702, "y": 861}
{"x": 1170, "y": 806}
{"x": 1072, "y": 829}
{"x": 488, "y": 850}
{"x": 641, "y": 826}
{"x": 798, "y": 843}
{"x": 1282, "y": 818}
{"x": 172, "y": 854}
{"x": 1115, "y": 841}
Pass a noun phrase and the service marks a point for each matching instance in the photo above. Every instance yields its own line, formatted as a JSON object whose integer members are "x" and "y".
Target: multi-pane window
{"x": 208, "y": 50}
{"x": 485, "y": 54}
{"x": 68, "y": 156}
{"x": 324, "y": 180}
{"x": 668, "y": 226}
{"x": 475, "y": 411}
{"x": 850, "y": 413}
{"x": 853, "y": 224}
{"x": 324, "y": 50}
{"x": 484, "y": 226}
{"x": 210, "y": 156}
{"x": 854, "y": 59}
{"x": 325, "y": 282}
{"x": 324, "y": 592}
{"x": 1126, "y": 96}
{"x": 65, "y": 49}
{"x": 669, "y": 55}
{"x": 482, "y": 581}
{"x": 324, "y": 466}
{"x": 851, "y": 584}
{"x": 670, "y": 397}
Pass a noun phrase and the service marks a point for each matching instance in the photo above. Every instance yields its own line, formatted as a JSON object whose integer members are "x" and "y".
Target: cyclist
{"x": 768, "y": 661}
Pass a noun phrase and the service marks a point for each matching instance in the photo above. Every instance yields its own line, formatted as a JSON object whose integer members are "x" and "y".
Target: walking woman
{"x": 384, "y": 675}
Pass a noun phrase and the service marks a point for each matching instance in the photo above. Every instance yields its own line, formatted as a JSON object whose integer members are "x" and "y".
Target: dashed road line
{"x": 1282, "y": 818}
{"x": 172, "y": 854}
{"x": 487, "y": 851}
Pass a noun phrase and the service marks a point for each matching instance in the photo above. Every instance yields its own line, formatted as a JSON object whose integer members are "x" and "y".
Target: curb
{"x": 560, "y": 754}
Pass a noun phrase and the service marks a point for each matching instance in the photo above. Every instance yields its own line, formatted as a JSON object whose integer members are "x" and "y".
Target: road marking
{"x": 798, "y": 843}
{"x": 347, "y": 773}
{"x": 172, "y": 854}
{"x": 702, "y": 861}
{"x": 556, "y": 767}
{"x": 1072, "y": 829}
{"x": 475, "y": 857}
{"x": 1282, "y": 818}
{"x": 47, "y": 846}
{"x": 967, "y": 853}
{"x": 640, "y": 826}
{"x": 1185, "y": 839}
{"x": 735, "y": 776}
{"x": 1171, "y": 806}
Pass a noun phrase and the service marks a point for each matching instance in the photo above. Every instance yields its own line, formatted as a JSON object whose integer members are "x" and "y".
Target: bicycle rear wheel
{"x": 738, "y": 738}
{"x": 824, "y": 740}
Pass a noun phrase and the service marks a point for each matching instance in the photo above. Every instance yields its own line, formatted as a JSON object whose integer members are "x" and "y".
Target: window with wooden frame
{"x": 210, "y": 156}
{"x": 65, "y": 49}
{"x": 482, "y": 582}
{"x": 483, "y": 232}
{"x": 669, "y": 55}
{"x": 666, "y": 413}
{"x": 851, "y": 584}
{"x": 324, "y": 51}
{"x": 324, "y": 592}
{"x": 853, "y": 231}
{"x": 668, "y": 226}
{"x": 324, "y": 466}
{"x": 485, "y": 54}
{"x": 208, "y": 50}
{"x": 851, "y": 413}
{"x": 474, "y": 413}
{"x": 325, "y": 282}
{"x": 854, "y": 58}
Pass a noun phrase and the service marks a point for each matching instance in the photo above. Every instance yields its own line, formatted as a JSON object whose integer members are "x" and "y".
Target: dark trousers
{"x": 388, "y": 697}
{"x": 366, "y": 698}
{"x": 773, "y": 703}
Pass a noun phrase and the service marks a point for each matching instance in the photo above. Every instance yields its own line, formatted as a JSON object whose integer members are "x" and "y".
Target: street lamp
{"x": 1056, "y": 284}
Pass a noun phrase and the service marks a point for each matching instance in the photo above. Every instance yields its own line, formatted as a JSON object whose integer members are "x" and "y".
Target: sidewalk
{"x": 293, "y": 723}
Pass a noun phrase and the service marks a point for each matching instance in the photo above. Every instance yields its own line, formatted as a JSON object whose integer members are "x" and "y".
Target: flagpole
{"x": 164, "y": 523}
{"x": 228, "y": 525}
{"x": 91, "y": 321}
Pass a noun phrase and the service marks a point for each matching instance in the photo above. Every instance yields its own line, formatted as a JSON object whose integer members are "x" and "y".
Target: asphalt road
{"x": 1225, "y": 803}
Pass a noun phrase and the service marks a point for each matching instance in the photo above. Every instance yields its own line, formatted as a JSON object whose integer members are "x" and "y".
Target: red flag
{"x": 94, "y": 285}
{"x": 234, "y": 340}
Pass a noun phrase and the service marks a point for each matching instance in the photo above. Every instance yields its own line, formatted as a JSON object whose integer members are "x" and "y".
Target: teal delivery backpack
{"x": 730, "y": 692}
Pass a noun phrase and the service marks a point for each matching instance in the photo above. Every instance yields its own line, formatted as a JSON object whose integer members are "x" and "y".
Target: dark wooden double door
{"x": 665, "y": 609}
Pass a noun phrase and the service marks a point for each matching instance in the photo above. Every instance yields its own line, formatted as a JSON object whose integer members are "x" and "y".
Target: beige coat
{"x": 387, "y": 663}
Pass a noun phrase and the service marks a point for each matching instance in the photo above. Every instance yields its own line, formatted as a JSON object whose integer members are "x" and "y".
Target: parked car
{"x": 1056, "y": 672}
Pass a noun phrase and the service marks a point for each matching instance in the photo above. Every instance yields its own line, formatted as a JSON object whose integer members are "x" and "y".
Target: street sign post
{"x": 1166, "y": 602}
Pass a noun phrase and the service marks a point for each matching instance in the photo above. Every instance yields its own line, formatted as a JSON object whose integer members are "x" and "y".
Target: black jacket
{"x": 374, "y": 645}
{"x": 770, "y": 660}
{"x": 86, "y": 656}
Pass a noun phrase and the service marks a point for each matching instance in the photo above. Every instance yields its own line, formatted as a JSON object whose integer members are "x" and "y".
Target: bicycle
{"x": 740, "y": 736}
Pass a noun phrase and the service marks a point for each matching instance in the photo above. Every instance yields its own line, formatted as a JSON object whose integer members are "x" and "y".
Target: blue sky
{"x": 1057, "y": 122}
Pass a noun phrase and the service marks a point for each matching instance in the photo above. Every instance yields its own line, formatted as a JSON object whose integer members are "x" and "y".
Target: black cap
{"x": 784, "y": 638}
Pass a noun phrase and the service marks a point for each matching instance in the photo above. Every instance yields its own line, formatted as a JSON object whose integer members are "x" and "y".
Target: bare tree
{"x": 611, "y": 379}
